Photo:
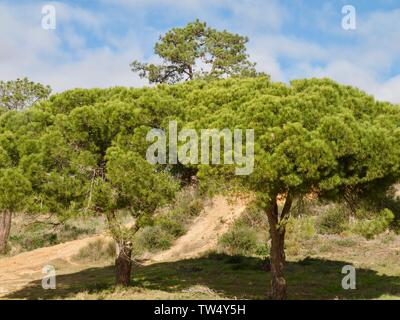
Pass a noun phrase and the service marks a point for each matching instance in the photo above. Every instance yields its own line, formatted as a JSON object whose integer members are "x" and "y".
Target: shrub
{"x": 27, "y": 234}
{"x": 239, "y": 240}
{"x": 254, "y": 217}
{"x": 372, "y": 227}
{"x": 195, "y": 207}
{"x": 298, "y": 229}
{"x": 334, "y": 221}
{"x": 158, "y": 232}
{"x": 262, "y": 250}
{"x": 99, "y": 250}
{"x": 347, "y": 242}
{"x": 172, "y": 224}
{"x": 154, "y": 238}
{"x": 393, "y": 204}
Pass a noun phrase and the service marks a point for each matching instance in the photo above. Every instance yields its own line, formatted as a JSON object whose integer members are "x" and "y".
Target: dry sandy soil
{"x": 19, "y": 270}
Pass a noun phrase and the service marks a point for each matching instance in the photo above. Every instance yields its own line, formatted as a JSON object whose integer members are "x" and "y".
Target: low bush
{"x": 153, "y": 238}
{"x": 239, "y": 240}
{"x": 298, "y": 230}
{"x": 99, "y": 250}
{"x": 158, "y": 232}
{"x": 26, "y": 235}
{"x": 334, "y": 221}
{"x": 369, "y": 228}
{"x": 254, "y": 217}
{"x": 173, "y": 224}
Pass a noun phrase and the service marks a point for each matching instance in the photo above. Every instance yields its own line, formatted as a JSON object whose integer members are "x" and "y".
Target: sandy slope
{"x": 205, "y": 230}
{"x": 19, "y": 270}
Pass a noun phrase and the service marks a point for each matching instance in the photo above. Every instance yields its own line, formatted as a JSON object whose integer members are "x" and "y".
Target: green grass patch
{"x": 220, "y": 276}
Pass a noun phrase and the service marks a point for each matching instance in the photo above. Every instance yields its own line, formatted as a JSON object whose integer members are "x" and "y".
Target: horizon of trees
{"x": 83, "y": 151}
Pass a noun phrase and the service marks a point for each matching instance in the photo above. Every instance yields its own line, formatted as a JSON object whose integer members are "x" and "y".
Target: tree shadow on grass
{"x": 230, "y": 277}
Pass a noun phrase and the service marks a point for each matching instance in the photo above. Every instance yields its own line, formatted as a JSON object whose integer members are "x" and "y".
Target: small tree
{"x": 19, "y": 141}
{"x": 130, "y": 183}
{"x": 95, "y": 155}
{"x": 197, "y": 50}
{"x": 14, "y": 189}
{"x": 21, "y": 94}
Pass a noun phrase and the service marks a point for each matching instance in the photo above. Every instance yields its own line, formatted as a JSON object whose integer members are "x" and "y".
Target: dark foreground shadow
{"x": 231, "y": 277}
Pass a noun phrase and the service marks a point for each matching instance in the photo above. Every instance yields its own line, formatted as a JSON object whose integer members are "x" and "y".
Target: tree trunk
{"x": 278, "y": 283}
{"x": 5, "y": 226}
{"x": 123, "y": 264}
{"x": 277, "y": 255}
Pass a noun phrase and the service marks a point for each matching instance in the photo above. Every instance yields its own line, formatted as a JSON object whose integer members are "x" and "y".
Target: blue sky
{"x": 94, "y": 41}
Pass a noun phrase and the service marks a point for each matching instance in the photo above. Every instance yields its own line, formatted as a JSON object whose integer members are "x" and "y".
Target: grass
{"x": 313, "y": 271}
{"x": 218, "y": 276}
{"x": 27, "y": 235}
{"x": 99, "y": 250}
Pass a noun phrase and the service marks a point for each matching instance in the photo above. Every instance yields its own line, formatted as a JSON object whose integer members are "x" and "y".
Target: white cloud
{"x": 98, "y": 68}
{"x": 65, "y": 58}
{"x": 347, "y": 73}
{"x": 28, "y": 50}
{"x": 389, "y": 90}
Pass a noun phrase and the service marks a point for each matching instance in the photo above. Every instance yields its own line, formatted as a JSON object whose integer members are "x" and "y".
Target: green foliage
{"x": 252, "y": 226}
{"x": 183, "y": 49}
{"x": 313, "y": 136}
{"x": 31, "y": 232}
{"x": 372, "y": 227}
{"x": 346, "y": 242}
{"x": 21, "y": 93}
{"x": 174, "y": 224}
{"x": 254, "y": 218}
{"x": 131, "y": 182}
{"x": 173, "y": 221}
{"x": 14, "y": 189}
{"x": 83, "y": 151}
{"x": 98, "y": 250}
{"x": 99, "y": 151}
{"x": 239, "y": 240}
{"x": 377, "y": 199}
{"x": 153, "y": 238}
{"x": 263, "y": 250}
{"x": 19, "y": 242}
{"x": 299, "y": 230}
{"x": 334, "y": 221}
{"x": 65, "y": 102}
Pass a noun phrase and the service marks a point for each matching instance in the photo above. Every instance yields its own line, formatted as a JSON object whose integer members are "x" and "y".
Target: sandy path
{"x": 205, "y": 230}
{"x": 17, "y": 271}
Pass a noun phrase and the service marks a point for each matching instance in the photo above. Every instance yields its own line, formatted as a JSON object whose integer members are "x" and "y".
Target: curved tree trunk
{"x": 278, "y": 282}
{"x": 123, "y": 264}
{"x": 277, "y": 254}
{"x": 5, "y": 227}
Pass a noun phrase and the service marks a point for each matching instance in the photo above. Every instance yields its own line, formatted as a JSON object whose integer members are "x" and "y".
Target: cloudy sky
{"x": 94, "y": 41}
